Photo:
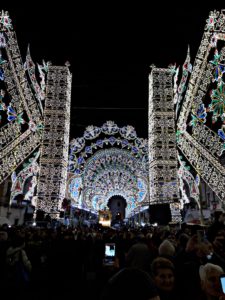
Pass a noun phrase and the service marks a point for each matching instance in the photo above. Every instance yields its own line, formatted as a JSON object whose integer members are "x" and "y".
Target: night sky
{"x": 110, "y": 50}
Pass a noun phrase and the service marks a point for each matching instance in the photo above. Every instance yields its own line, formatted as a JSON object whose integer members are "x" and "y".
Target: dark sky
{"x": 110, "y": 50}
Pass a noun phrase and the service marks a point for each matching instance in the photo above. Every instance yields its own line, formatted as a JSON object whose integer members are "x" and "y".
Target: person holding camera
{"x": 211, "y": 287}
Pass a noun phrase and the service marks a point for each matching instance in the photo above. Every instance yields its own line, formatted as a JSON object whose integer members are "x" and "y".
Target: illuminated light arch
{"x": 116, "y": 164}
{"x": 81, "y": 150}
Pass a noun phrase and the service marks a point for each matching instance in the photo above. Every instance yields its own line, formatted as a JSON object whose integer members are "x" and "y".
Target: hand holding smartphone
{"x": 110, "y": 254}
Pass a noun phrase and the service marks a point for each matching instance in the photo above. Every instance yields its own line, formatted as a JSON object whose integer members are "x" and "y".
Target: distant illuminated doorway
{"x": 117, "y": 206}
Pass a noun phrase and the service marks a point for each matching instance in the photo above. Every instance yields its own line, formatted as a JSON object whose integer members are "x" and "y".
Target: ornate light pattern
{"x": 75, "y": 193}
{"x": 175, "y": 208}
{"x": 162, "y": 138}
{"x": 202, "y": 112}
{"x": 113, "y": 171}
{"x": 17, "y": 142}
{"x": 30, "y": 67}
{"x": 121, "y": 169}
{"x": 185, "y": 175}
{"x": 54, "y": 149}
{"x": 126, "y": 139}
{"x": 30, "y": 170}
{"x": 180, "y": 89}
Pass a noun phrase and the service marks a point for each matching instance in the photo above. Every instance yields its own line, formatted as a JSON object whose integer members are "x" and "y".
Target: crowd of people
{"x": 151, "y": 263}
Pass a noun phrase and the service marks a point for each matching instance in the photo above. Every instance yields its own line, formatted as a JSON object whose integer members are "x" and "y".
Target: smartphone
{"x": 110, "y": 250}
{"x": 222, "y": 282}
{"x": 110, "y": 253}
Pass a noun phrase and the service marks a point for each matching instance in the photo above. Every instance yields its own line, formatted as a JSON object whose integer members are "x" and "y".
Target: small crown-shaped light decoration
{"x": 5, "y": 20}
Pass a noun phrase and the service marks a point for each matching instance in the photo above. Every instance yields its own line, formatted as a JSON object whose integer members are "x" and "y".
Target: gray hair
{"x": 166, "y": 248}
{"x": 204, "y": 269}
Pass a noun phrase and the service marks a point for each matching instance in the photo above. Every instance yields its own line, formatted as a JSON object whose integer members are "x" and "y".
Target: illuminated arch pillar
{"x": 163, "y": 164}
{"x": 54, "y": 150}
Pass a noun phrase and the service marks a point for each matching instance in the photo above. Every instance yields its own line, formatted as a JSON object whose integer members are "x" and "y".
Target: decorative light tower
{"x": 55, "y": 143}
{"x": 163, "y": 178}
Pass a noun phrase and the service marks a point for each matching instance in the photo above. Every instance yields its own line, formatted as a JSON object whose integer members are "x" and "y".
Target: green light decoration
{"x": 217, "y": 106}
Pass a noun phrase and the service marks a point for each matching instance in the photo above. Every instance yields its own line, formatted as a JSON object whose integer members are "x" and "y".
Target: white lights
{"x": 134, "y": 168}
{"x": 54, "y": 150}
{"x": 204, "y": 102}
{"x": 15, "y": 144}
{"x": 119, "y": 170}
{"x": 162, "y": 138}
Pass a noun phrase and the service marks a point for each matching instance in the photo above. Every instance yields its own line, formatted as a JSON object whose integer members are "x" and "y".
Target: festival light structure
{"x": 108, "y": 161}
{"x": 185, "y": 175}
{"x": 201, "y": 119}
{"x": 20, "y": 113}
{"x": 163, "y": 164}
{"x": 186, "y": 114}
{"x": 28, "y": 175}
{"x": 51, "y": 187}
{"x": 33, "y": 119}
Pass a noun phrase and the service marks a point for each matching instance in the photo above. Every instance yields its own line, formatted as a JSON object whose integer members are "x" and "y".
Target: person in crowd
{"x": 218, "y": 253}
{"x": 132, "y": 284}
{"x": 197, "y": 252}
{"x": 210, "y": 282}
{"x": 163, "y": 274}
{"x": 4, "y": 244}
{"x": 217, "y": 225}
{"x": 18, "y": 266}
{"x": 138, "y": 255}
{"x": 167, "y": 250}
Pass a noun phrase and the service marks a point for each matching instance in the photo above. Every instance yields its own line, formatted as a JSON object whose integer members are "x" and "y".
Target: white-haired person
{"x": 210, "y": 282}
{"x": 167, "y": 250}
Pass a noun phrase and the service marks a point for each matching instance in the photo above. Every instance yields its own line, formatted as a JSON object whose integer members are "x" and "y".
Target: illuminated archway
{"x": 111, "y": 166}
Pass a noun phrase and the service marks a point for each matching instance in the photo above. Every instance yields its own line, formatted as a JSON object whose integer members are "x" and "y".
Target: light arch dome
{"x": 116, "y": 164}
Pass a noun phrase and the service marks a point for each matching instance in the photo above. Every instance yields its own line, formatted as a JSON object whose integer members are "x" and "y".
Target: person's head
{"x": 210, "y": 279}
{"x": 5, "y": 227}
{"x": 3, "y": 236}
{"x": 221, "y": 218}
{"x": 219, "y": 241}
{"x": 204, "y": 250}
{"x": 163, "y": 274}
{"x": 132, "y": 284}
{"x": 166, "y": 248}
{"x": 183, "y": 239}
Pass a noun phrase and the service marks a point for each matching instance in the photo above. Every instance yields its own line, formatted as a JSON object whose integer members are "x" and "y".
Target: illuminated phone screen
{"x": 110, "y": 250}
{"x": 222, "y": 280}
